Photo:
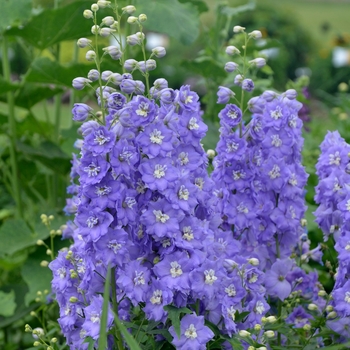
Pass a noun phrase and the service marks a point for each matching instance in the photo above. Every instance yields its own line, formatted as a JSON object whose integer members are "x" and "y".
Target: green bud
{"x": 73, "y": 299}
{"x": 37, "y": 343}
{"x": 306, "y": 327}
{"x": 142, "y": 18}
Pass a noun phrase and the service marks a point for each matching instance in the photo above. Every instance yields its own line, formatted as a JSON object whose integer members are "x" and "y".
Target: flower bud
{"x": 257, "y": 327}
{"x": 238, "y": 29}
{"x": 258, "y": 62}
{"x": 108, "y": 20}
{"x": 135, "y": 39}
{"x": 255, "y": 34}
{"x": 73, "y": 299}
{"x": 38, "y": 332}
{"x": 159, "y": 51}
{"x": 36, "y": 343}
{"x": 95, "y": 29}
{"x": 90, "y": 55}
{"x": 312, "y": 307}
{"x": 147, "y": 66}
{"x": 160, "y": 84}
{"x": 269, "y": 334}
{"x": 251, "y": 347}
{"x": 88, "y": 14}
{"x": 106, "y": 74}
{"x": 113, "y": 51}
{"x": 83, "y": 42}
{"x": 238, "y": 80}
{"x": 114, "y": 25}
{"x": 224, "y": 94}
{"x": 73, "y": 275}
{"x": 254, "y": 261}
{"x": 166, "y": 95}
{"x": 231, "y": 67}
{"x": 103, "y": 3}
{"x": 269, "y": 95}
{"x": 44, "y": 263}
{"x": 232, "y": 50}
{"x": 248, "y": 85}
{"x": 128, "y": 86}
{"x": 271, "y": 319}
{"x": 256, "y": 104}
{"x": 291, "y": 94}
{"x": 132, "y": 19}
{"x": 329, "y": 308}
{"x": 306, "y": 327}
{"x": 104, "y": 32}
{"x": 343, "y": 87}
{"x": 211, "y": 153}
{"x": 130, "y": 9}
{"x": 93, "y": 74}
{"x": 322, "y": 293}
{"x": 243, "y": 333}
{"x": 139, "y": 87}
{"x": 49, "y": 348}
{"x": 48, "y": 251}
{"x": 303, "y": 222}
{"x": 262, "y": 348}
{"x": 130, "y": 64}
{"x": 40, "y": 242}
{"x": 332, "y": 314}
{"x": 142, "y": 18}
{"x": 115, "y": 79}
{"x": 94, "y": 8}
{"x": 54, "y": 340}
{"x": 27, "y": 328}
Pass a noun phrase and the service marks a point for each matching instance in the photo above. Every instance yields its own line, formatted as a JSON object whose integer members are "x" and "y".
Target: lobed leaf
{"x": 14, "y": 12}
{"x": 174, "y": 315}
{"x": 7, "y": 303}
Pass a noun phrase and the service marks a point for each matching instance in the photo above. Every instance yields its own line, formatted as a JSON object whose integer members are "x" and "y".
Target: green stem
{"x": 115, "y": 309}
{"x": 74, "y": 60}
{"x": 12, "y": 130}
{"x": 279, "y": 315}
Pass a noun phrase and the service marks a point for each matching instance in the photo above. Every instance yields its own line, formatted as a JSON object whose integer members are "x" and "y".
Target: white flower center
{"x": 191, "y": 332}
{"x": 348, "y": 205}
{"x": 92, "y": 169}
{"x": 156, "y": 297}
{"x": 293, "y": 180}
{"x": 156, "y": 137}
{"x": 143, "y": 109}
{"x": 100, "y": 138}
{"x": 130, "y": 202}
{"x": 159, "y": 171}
{"x": 175, "y": 270}
{"x": 238, "y": 174}
{"x": 259, "y": 307}
{"x": 275, "y": 172}
{"x": 276, "y": 141}
{"x": 114, "y": 245}
{"x": 231, "y": 290}
{"x": 199, "y": 182}
{"x": 139, "y": 278}
{"x": 103, "y": 190}
{"x": 183, "y": 157}
{"x": 253, "y": 278}
{"x": 334, "y": 158}
{"x": 183, "y": 193}
{"x": 92, "y": 221}
{"x": 61, "y": 272}
{"x": 210, "y": 277}
{"x": 242, "y": 208}
{"x": 277, "y": 113}
{"x": 95, "y": 317}
{"x": 192, "y": 124}
{"x": 188, "y": 99}
{"x": 231, "y": 312}
{"x": 231, "y": 146}
{"x": 232, "y": 114}
{"x": 187, "y": 233}
{"x": 160, "y": 216}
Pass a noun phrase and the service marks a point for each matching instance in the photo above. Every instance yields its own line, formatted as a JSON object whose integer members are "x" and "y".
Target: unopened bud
{"x": 73, "y": 275}
{"x": 28, "y": 328}
{"x": 73, "y": 299}
{"x": 254, "y": 261}
{"x": 257, "y": 327}
{"x": 159, "y": 51}
{"x": 94, "y": 8}
{"x": 103, "y": 3}
{"x": 44, "y": 263}
{"x": 258, "y": 62}
{"x": 210, "y": 153}
{"x": 108, "y": 20}
{"x": 130, "y": 9}
{"x": 83, "y": 42}
{"x": 48, "y": 251}
{"x": 232, "y": 50}
{"x": 312, "y": 307}
{"x": 90, "y": 55}
{"x": 132, "y": 19}
{"x": 332, "y": 314}
{"x": 243, "y": 333}
{"x": 238, "y": 29}
{"x": 49, "y": 348}
{"x": 88, "y": 14}
{"x": 104, "y": 32}
{"x": 306, "y": 327}
{"x": 322, "y": 293}
{"x": 255, "y": 34}
{"x": 329, "y": 308}
{"x": 269, "y": 334}
{"x": 291, "y": 94}
{"x": 38, "y": 332}
{"x": 53, "y": 340}
{"x": 303, "y": 222}
{"x": 40, "y": 242}
{"x": 251, "y": 347}
{"x": 36, "y": 343}
{"x": 142, "y": 18}
{"x": 271, "y": 319}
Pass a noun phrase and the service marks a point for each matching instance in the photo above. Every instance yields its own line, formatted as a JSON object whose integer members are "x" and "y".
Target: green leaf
{"x": 38, "y": 278}
{"x": 200, "y": 5}
{"x": 180, "y": 21}
{"x": 47, "y": 71}
{"x": 7, "y": 303}
{"x": 129, "y": 339}
{"x": 174, "y": 315}
{"x": 15, "y": 235}
{"x": 54, "y": 25}
{"x": 102, "y": 342}
{"x": 14, "y": 12}
{"x": 5, "y": 86}
{"x": 31, "y": 94}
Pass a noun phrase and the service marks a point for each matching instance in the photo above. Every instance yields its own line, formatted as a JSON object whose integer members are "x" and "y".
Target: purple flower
{"x": 224, "y": 94}
{"x": 193, "y": 335}
{"x": 231, "y": 115}
{"x": 299, "y": 317}
{"x": 100, "y": 141}
{"x": 275, "y": 279}
{"x": 248, "y": 85}
{"x": 81, "y": 112}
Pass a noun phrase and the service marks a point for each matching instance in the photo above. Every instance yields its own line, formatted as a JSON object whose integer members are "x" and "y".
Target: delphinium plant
{"x": 161, "y": 249}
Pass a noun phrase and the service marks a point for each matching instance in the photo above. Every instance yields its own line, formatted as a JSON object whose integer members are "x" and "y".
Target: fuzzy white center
{"x": 334, "y": 159}
{"x": 187, "y": 233}
{"x": 92, "y": 170}
{"x": 175, "y": 270}
{"x": 277, "y": 113}
{"x": 191, "y": 332}
{"x": 159, "y": 171}
{"x": 276, "y": 141}
{"x": 210, "y": 277}
{"x": 156, "y": 137}
{"x": 143, "y": 109}
{"x": 231, "y": 290}
{"x": 275, "y": 172}
{"x": 192, "y": 124}
{"x": 183, "y": 193}
{"x": 160, "y": 216}
{"x": 156, "y": 297}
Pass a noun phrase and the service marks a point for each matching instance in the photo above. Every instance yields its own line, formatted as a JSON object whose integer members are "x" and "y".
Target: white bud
{"x": 94, "y": 7}
{"x": 103, "y": 3}
{"x": 95, "y": 29}
{"x": 258, "y": 62}
{"x": 312, "y": 307}
{"x": 130, "y": 9}
{"x": 38, "y": 332}
{"x": 257, "y": 327}
{"x": 40, "y": 242}
{"x": 238, "y": 29}
{"x": 44, "y": 263}
{"x": 232, "y": 50}
{"x": 88, "y": 14}
{"x": 132, "y": 19}
{"x": 254, "y": 261}
{"x": 159, "y": 51}
{"x": 270, "y": 319}
{"x": 243, "y": 333}
{"x": 306, "y": 327}
{"x": 48, "y": 251}
{"x": 104, "y": 32}
{"x": 90, "y": 55}
{"x": 269, "y": 334}
{"x": 83, "y": 42}
{"x": 255, "y": 34}
{"x": 322, "y": 293}
{"x": 262, "y": 348}
{"x": 329, "y": 308}
{"x": 210, "y": 153}
{"x": 108, "y": 21}
{"x": 291, "y": 94}
{"x": 332, "y": 314}
{"x": 142, "y": 18}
